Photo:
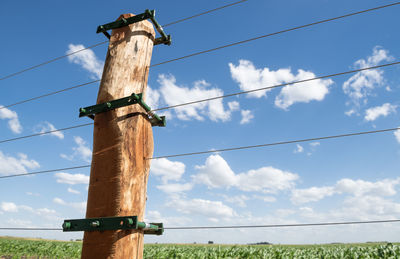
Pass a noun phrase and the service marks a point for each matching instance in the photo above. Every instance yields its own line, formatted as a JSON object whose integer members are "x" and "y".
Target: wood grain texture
{"x": 122, "y": 139}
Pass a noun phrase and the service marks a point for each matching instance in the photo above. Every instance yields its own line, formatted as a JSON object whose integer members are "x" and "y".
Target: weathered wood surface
{"x": 122, "y": 139}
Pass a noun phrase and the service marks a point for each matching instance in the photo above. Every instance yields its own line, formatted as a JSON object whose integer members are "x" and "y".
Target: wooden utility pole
{"x": 122, "y": 140}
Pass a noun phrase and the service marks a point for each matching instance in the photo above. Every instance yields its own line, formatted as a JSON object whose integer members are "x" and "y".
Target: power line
{"x": 51, "y": 60}
{"x": 46, "y": 132}
{"x": 221, "y": 47}
{"x": 278, "y": 143}
{"x": 248, "y": 226}
{"x": 49, "y": 94}
{"x": 203, "y": 13}
{"x": 291, "y": 225}
{"x": 212, "y": 98}
{"x": 31, "y": 229}
{"x": 45, "y": 171}
{"x": 276, "y": 86}
{"x": 276, "y": 33}
{"x": 104, "y": 42}
{"x": 218, "y": 150}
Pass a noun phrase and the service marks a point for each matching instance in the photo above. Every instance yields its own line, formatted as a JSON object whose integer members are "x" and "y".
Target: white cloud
{"x": 265, "y": 198}
{"x": 32, "y": 194}
{"x": 72, "y": 178}
{"x": 46, "y": 127}
{"x": 217, "y": 173}
{"x": 167, "y": 170}
{"x": 247, "y": 116}
{"x": 175, "y": 187}
{"x": 315, "y": 90}
{"x": 87, "y": 59}
{"x": 384, "y": 110}
{"x": 357, "y": 188}
{"x": 9, "y": 207}
{"x": 73, "y": 191}
{"x": 315, "y": 144}
{"x": 12, "y": 117}
{"x": 59, "y": 201}
{"x": 312, "y": 194}
{"x": 15, "y": 165}
{"x": 81, "y": 150}
{"x": 239, "y": 200}
{"x": 397, "y": 135}
{"x": 266, "y": 179}
{"x": 173, "y": 94}
{"x": 152, "y": 97}
{"x": 79, "y": 206}
{"x": 362, "y": 84}
{"x": 299, "y": 149}
{"x": 250, "y": 78}
{"x": 212, "y": 209}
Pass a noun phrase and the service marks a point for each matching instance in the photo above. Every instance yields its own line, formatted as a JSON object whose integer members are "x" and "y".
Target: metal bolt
{"x": 95, "y": 224}
{"x": 108, "y": 105}
{"x": 67, "y": 225}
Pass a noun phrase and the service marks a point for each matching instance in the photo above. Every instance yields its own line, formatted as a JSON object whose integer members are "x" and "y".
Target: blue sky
{"x": 333, "y": 180}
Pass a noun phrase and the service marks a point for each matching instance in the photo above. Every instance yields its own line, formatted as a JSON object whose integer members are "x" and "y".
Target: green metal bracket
{"x": 112, "y": 223}
{"x": 148, "y": 14}
{"x": 90, "y": 111}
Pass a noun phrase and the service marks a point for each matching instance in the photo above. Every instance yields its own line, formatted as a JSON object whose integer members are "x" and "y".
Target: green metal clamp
{"x": 148, "y": 14}
{"x": 112, "y": 223}
{"x": 90, "y": 111}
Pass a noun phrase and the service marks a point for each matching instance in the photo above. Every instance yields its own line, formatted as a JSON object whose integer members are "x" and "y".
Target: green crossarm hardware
{"x": 112, "y": 223}
{"x": 148, "y": 14}
{"x": 90, "y": 111}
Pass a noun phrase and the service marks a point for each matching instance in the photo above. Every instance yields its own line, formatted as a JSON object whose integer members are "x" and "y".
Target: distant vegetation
{"x": 11, "y": 248}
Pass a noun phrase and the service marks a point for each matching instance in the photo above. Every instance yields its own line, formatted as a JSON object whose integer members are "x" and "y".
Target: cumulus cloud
{"x": 72, "y": 178}
{"x": 167, "y": 170}
{"x": 81, "y": 150}
{"x": 239, "y": 200}
{"x": 79, "y": 206}
{"x": 86, "y": 59}
{"x": 397, "y": 135}
{"x": 299, "y": 149}
{"x": 173, "y": 94}
{"x": 46, "y": 127}
{"x": 217, "y": 173}
{"x": 16, "y": 165}
{"x": 247, "y": 116}
{"x": 12, "y": 117}
{"x": 211, "y": 209}
{"x": 356, "y": 188}
{"x": 362, "y": 84}
{"x": 9, "y": 207}
{"x": 152, "y": 97}
{"x": 300, "y": 196}
{"x": 384, "y": 110}
{"x": 175, "y": 187}
{"x": 73, "y": 191}
{"x": 315, "y": 90}
{"x": 251, "y": 78}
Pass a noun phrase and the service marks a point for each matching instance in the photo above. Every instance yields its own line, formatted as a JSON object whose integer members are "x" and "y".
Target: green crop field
{"x": 26, "y": 248}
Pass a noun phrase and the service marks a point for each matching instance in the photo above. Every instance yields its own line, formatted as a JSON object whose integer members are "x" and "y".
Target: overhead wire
{"x": 219, "y": 97}
{"x": 277, "y": 86}
{"x": 223, "y": 150}
{"x": 246, "y": 226}
{"x": 276, "y": 33}
{"x": 45, "y": 171}
{"x": 209, "y": 50}
{"x": 276, "y": 143}
{"x": 45, "y": 132}
{"x": 104, "y": 42}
